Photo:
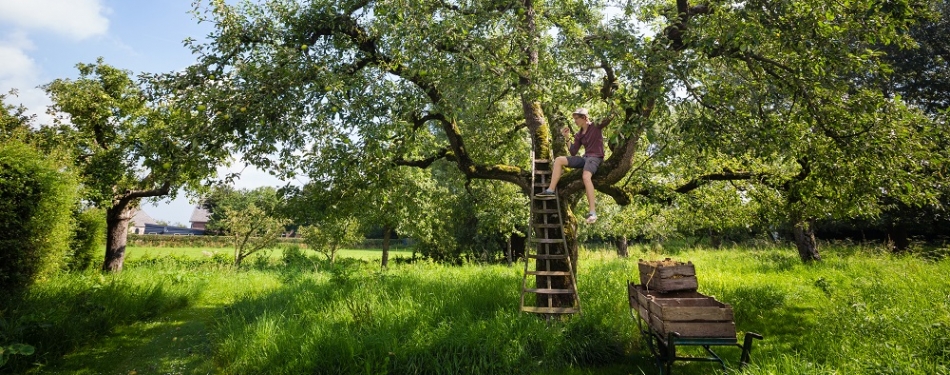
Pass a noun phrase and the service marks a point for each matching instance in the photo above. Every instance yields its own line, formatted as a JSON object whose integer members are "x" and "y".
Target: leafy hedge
{"x": 36, "y": 200}
{"x": 89, "y": 239}
{"x": 164, "y": 240}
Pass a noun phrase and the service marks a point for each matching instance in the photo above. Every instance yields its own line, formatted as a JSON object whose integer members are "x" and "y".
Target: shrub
{"x": 88, "y": 239}
{"x": 36, "y": 199}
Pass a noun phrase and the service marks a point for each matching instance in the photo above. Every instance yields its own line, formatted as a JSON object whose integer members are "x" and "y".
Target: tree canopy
{"x": 763, "y": 91}
{"x": 128, "y": 144}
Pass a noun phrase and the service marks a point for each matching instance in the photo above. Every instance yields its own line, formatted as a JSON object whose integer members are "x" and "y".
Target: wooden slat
{"x": 542, "y": 161}
{"x": 544, "y": 211}
{"x": 549, "y": 310}
{"x": 550, "y": 273}
{"x": 690, "y": 309}
{"x": 547, "y": 240}
{"x": 694, "y": 329}
{"x": 549, "y": 291}
{"x": 544, "y": 198}
{"x": 547, "y": 256}
{"x": 546, "y": 225}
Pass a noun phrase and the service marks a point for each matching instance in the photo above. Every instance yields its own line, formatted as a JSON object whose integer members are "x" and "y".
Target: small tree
{"x": 252, "y": 229}
{"x": 328, "y": 236}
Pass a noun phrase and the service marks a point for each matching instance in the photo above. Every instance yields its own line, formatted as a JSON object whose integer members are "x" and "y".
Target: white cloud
{"x": 79, "y": 19}
{"x": 19, "y": 71}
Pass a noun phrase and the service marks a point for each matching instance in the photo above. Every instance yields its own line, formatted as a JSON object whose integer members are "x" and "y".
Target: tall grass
{"x": 421, "y": 318}
{"x": 859, "y": 311}
{"x": 71, "y": 310}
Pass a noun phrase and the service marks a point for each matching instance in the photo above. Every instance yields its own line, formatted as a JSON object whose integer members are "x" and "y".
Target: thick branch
{"x": 424, "y": 163}
{"x": 705, "y": 179}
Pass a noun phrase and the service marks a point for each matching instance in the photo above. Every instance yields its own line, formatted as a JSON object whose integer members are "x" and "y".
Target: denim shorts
{"x": 589, "y": 164}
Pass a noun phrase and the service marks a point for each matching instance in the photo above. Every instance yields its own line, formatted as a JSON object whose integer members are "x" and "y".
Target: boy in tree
{"x": 590, "y": 136}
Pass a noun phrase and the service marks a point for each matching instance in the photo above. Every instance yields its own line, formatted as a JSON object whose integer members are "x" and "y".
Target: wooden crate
{"x": 691, "y": 314}
{"x": 667, "y": 275}
{"x": 639, "y": 294}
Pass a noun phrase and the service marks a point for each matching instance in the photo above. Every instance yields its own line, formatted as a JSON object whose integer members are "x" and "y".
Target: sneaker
{"x": 546, "y": 193}
{"x": 591, "y": 218}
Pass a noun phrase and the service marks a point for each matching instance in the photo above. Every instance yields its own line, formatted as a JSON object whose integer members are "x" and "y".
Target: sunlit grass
{"x": 859, "y": 311}
{"x": 139, "y": 252}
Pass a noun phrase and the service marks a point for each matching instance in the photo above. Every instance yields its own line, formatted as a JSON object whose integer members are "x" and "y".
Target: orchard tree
{"x": 482, "y": 85}
{"x": 14, "y": 122}
{"x": 253, "y": 218}
{"x": 128, "y": 146}
{"x": 251, "y": 229}
{"x": 331, "y": 234}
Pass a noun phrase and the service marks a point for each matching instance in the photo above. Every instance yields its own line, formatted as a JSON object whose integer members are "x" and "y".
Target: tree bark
{"x": 508, "y": 251}
{"x": 621, "y": 243}
{"x": 715, "y": 239}
{"x": 117, "y": 224}
{"x": 387, "y": 234}
{"x": 804, "y": 233}
{"x": 897, "y": 236}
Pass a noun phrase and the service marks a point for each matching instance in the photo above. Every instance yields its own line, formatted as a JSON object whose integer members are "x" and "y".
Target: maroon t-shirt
{"x": 593, "y": 141}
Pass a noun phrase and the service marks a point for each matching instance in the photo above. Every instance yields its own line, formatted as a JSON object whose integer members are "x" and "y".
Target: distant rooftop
{"x": 140, "y": 218}
{"x": 199, "y": 215}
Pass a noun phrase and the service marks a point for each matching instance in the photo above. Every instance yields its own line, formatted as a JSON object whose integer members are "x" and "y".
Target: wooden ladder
{"x": 555, "y": 286}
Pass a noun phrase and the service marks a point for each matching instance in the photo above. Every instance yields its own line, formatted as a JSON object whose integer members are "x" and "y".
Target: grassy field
{"x": 860, "y": 311}
{"x": 137, "y": 253}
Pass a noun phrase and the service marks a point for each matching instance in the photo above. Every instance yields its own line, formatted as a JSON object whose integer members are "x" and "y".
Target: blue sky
{"x": 41, "y": 40}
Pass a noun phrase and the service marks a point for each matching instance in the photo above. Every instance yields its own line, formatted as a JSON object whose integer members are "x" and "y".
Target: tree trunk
{"x": 621, "y": 243}
{"x": 715, "y": 239}
{"x": 897, "y": 236}
{"x": 117, "y": 224}
{"x": 804, "y": 233}
{"x": 387, "y": 234}
{"x": 508, "y": 250}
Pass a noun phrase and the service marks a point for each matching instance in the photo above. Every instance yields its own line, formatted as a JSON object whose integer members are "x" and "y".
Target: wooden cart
{"x": 685, "y": 318}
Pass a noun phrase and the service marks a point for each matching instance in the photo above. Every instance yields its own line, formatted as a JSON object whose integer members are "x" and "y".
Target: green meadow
{"x": 861, "y": 310}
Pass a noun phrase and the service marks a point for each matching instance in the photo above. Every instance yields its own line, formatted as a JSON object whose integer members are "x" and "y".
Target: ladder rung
{"x": 544, "y": 198}
{"x": 546, "y": 225}
{"x": 549, "y": 291}
{"x": 547, "y": 240}
{"x": 541, "y": 161}
{"x": 547, "y": 256}
{"x": 542, "y": 184}
{"x": 541, "y": 171}
{"x": 549, "y": 310}
{"x": 544, "y": 211}
{"x": 551, "y": 273}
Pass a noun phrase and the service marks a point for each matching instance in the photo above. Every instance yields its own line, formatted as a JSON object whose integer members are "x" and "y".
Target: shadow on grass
{"x": 62, "y": 315}
{"x": 175, "y": 344}
{"x": 766, "y": 311}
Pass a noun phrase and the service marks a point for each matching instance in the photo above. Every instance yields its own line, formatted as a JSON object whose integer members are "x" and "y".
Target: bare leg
{"x": 559, "y": 164}
{"x": 589, "y": 186}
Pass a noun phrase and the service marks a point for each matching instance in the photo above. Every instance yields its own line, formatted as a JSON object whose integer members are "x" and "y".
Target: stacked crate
{"x": 667, "y": 300}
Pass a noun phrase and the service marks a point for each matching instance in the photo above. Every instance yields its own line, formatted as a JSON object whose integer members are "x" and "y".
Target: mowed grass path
{"x": 860, "y": 311}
